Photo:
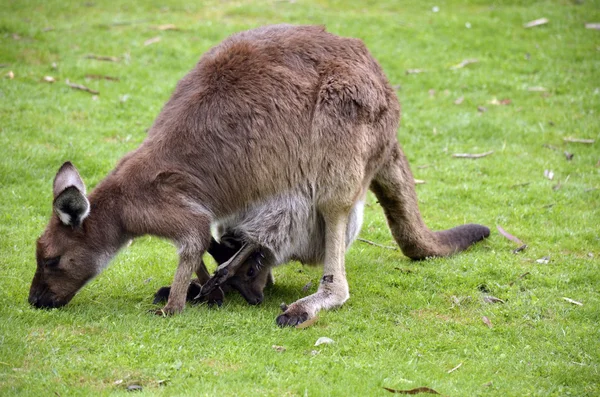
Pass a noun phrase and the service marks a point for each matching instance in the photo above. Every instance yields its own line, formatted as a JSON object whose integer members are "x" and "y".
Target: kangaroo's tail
{"x": 395, "y": 189}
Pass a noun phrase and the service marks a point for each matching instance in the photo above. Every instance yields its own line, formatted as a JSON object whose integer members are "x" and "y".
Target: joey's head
{"x": 250, "y": 279}
{"x": 67, "y": 257}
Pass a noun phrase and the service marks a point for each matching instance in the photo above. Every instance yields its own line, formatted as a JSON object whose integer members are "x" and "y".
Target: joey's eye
{"x": 250, "y": 272}
{"x": 52, "y": 262}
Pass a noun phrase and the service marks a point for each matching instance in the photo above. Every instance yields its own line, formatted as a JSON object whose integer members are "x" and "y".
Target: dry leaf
{"x": 481, "y": 109}
{"x": 414, "y": 71}
{"x": 49, "y": 79}
{"x": 455, "y": 368}
{"x": 543, "y": 261}
{"x": 509, "y": 236}
{"x": 569, "y": 156}
{"x": 168, "y": 26}
{"x": 152, "y": 40}
{"x": 471, "y": 156}
{"x": 459, "y": 100}
{"x": 579, "y": 140}
{"x": 324, "y": 340}
{"x": 464, "y": 63}
{"x": 487, "y": 322}
{"x": 573, "y": 301}
{"x": 492, "y": 299}
{"x": 307, "y": 286}
{"x": 279, "y": 349}
{"x": 549, "y": 174}
{"x": 431, "y": 92}
{"x": 536, "y": 22}
{"x": 134, "y": 388}
{"x": 496, "y": 102}
{"x": 10, "y": 74}
{"x": 308, "y": 323}
{"x": 595, "y": 26}
{"x": 118, "y": 382}
{"x": 81, "y": 87}
{"x": 417, "y": 390}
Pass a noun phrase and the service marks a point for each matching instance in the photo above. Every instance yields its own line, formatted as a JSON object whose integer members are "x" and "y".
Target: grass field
{"x": 407, "y": 324}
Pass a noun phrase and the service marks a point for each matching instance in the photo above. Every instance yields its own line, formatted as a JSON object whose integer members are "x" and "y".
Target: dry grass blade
{"x": 455, "y": 368}
{"x": 464, "y": 63}
{"x": 537, "y": 89}
{"x": 536, "y": 22}
{"x": 102, "y": 58}
{"x": 364, "y": 240}
{"x": 459, "y": 100}
{"x": 414, "y": 71}
{"x": 278, "y": 349}
{"x": 573, "y": 301}
{"x": 579, "y": 140}
{"x": 168, "y": 26}
{"x": 49, "y": 79}
{"x": 419, "y": 182}
{"x": 308, "y": 323}
{"x": 417, "y": 390}
{"x": 471, "y": 156}
{"x": 81, "y": 87}
{"x": 595, "y": 26}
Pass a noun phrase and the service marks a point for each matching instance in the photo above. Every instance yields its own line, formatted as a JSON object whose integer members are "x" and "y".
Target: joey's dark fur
{"x": 267, "y": 112}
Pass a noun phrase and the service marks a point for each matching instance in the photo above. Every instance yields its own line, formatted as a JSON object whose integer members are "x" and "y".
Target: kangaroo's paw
{"x": 332, "y": 293}
{"x": 292, "y": 317}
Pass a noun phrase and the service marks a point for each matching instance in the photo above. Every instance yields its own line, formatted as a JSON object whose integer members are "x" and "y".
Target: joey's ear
{"x": 70, "y": 203}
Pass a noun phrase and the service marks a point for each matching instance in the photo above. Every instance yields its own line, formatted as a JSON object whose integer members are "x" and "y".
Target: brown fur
{"x": 266, "y": 111}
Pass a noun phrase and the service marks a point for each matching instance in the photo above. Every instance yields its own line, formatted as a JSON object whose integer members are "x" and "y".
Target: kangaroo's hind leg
{"x": 333, "y": 290}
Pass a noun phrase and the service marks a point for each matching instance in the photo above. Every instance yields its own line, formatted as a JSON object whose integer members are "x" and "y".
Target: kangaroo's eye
{"x": 52, "y": 262}
{"x": 250, "y": 272}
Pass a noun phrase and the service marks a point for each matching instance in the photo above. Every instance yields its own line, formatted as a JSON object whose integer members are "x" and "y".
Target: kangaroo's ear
{"x": 70, "y": 203}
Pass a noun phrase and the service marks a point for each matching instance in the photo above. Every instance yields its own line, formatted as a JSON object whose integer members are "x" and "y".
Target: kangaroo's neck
{"x": 104, "y": 225}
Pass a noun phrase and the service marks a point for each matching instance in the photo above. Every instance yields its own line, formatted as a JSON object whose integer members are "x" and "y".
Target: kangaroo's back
{"x": 282, "y": 104}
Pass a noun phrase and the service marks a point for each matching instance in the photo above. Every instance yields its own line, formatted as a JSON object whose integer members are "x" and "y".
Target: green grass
{"x": 402, "y": 327}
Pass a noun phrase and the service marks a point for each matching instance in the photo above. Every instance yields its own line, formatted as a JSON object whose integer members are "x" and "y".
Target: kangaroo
{"x": 293, "y": 107}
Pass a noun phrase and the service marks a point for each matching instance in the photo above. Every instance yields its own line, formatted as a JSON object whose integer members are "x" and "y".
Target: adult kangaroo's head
{"x": 68, "y": 254}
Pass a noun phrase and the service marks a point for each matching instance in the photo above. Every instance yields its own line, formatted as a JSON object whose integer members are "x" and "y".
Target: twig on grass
{"x": 101, "y": 77}
{"x": 81, "y": 88}
{"x": 536, "y": 22}
{"x": 520, "y": 277}
{"x": 579, "y": 140}
{"x": 471, "y": 156}
{"x": 573, "y": 301}
{"x": 102, "y": 58}
{"x": 413, "y": 391}
{"x": 376, "y": 244}
{"x": 455, "y": 368}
